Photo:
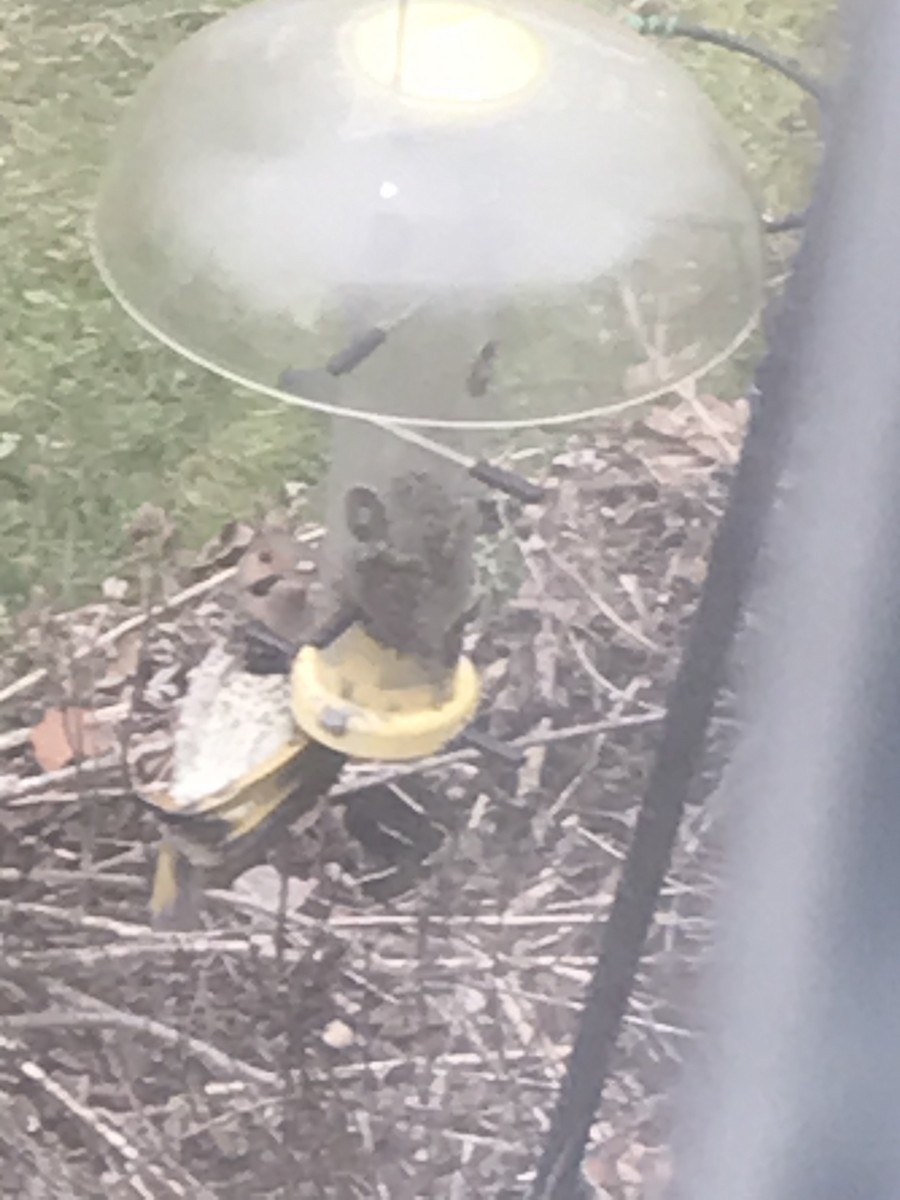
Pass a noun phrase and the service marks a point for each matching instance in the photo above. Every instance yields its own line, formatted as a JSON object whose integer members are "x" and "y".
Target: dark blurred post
{"x": 680, "y": 750}
{"x": 799, "y": 1094}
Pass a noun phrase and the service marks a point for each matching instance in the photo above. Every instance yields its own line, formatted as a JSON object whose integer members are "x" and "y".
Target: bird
{"x": 242, "y": 770}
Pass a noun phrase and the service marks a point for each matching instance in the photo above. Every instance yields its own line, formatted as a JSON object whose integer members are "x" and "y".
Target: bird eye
{"x": 365, "y": 515}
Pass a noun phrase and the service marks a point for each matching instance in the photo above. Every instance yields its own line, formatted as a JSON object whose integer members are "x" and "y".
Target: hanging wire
{"x": 655, "y": 25}
{"x": 675, "y": 27}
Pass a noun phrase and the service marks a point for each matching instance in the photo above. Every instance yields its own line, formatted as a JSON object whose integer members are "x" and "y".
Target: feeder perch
{"x": 438, "y": 221}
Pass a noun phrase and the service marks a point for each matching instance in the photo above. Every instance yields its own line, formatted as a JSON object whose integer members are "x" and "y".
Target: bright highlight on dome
{"x": 451, "y": 53}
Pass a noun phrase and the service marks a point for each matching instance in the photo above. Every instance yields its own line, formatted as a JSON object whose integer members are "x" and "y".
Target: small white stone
{"x": 338, "y": 1035}
{"x": 114, "y": 588}
{"x": 9, "y": 442}
{"x": 471, "y": 1000}
{"x": 262, "y": 886}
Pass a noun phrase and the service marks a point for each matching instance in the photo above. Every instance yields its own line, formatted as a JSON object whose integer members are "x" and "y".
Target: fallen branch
{"x": 97, "y": 1014}
{"x": 179, "y": 600}
{"x": 356, "y": 777}
{"x": 69, "y": 916}
{"x": 107, "y": 1134}
{"x": 603, "y": 607}
{"x": 362, "y": 777}
{"x": 21, "y": 737}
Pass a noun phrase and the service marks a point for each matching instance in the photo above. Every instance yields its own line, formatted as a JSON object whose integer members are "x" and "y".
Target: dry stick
{"x": 90, "y": 1013}
{"x": 605, "y": 845}
{"x": 283, "y": 992}
{"x": 88, "y": 824}
{"x": 59, "y": 875}
{"x": 442, "y": 1063}
{"x": 656, "y": 354}
{"x": 361, "y": 777}
{"x": 367, "y": 776}
{"x": 124, "y": 1069}
{"x": 261, "y": 946}
{"x": 543, "y": 823}
{"x": 73, "y": 917}
{"x": 34, "y": 785}
{"x": 493, "y": 920}
{"x": 17, "y": 738}
{"x": 572, "y": 634}
{"x": 655, "y": 349}
{"x": 106, "y": 1133}
{"x": 119, "y": 631}
{"x": 605, "y": 609}
{"x": 179, "y": 600}
{"x": 101, "y": 874}
{"x": 232, "y": 1115}
{"x": 140, "y": 687}
{"x": 244, "y": 1074}
{"x": 729, "y": 451}
{"x": 422, "y": 991}
{"x": 89, "y": 956}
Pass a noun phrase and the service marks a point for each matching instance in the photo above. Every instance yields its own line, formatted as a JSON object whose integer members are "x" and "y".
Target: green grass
{"x": 99, "y": 419}
{"x": 775, "y": 124}
{"x": 95, "y": 419}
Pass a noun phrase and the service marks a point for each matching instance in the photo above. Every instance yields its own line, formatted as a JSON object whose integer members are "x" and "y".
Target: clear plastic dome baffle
{"x": 524, "y": 199}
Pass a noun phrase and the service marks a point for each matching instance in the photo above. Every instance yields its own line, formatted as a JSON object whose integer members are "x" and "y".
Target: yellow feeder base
{"x": 366, "y": 701}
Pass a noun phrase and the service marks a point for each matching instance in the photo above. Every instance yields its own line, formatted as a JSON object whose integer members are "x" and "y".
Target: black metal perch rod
{"x": 803, "y": 1087}
{"x": 691, "y": 703}
{"x": 683, "y": 737}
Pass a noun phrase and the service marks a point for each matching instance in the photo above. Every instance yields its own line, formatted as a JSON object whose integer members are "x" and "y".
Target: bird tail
{"x": 177, "y": 898}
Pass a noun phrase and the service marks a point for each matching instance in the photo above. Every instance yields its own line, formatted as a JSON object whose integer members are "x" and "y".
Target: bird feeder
{"x": 432, "y": 219}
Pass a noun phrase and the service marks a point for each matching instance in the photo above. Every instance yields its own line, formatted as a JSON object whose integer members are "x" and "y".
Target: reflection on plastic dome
{"x": 565, "y": 195}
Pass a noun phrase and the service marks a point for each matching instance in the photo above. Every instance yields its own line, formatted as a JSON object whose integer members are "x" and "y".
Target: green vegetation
{"x": 95, "y": 419}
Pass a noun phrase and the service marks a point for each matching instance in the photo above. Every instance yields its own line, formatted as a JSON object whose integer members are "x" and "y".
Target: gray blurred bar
{"x": 797, "y": 1094}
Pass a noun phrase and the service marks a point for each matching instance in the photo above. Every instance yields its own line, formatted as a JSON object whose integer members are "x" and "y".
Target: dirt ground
{"x": 401, "y": 1032}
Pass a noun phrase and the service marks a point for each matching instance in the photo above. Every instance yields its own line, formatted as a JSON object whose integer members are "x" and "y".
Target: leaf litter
{"x": 388, "y": 1022}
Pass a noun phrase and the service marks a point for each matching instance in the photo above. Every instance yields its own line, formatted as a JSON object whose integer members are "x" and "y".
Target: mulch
{"x": 381, "y": 1016}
